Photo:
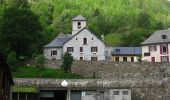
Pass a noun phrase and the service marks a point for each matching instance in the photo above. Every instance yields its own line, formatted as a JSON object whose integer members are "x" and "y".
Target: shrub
{"x": 39, "y": 61}
{"x": 67, "y": 62}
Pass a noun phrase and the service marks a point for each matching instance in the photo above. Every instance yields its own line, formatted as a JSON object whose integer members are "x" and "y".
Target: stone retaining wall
{"x": 110, "y": 69}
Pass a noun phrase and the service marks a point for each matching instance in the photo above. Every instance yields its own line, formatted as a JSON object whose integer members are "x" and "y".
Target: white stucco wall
{"x": 155, "y": 54}
{"x": 75, "y": 26}
{"x": 108, "y": 51}
{"x": 87, "y": 54}
{"x": 47, "y": 53}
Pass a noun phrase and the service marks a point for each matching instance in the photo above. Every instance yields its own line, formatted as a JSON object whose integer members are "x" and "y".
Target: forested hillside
{"x": 122, "y": 22}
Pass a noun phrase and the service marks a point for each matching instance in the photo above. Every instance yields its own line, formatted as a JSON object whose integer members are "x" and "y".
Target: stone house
{"x": 127, "y": 54}
{"x": 82, "y": 43}
{"x": 157, "y": 47}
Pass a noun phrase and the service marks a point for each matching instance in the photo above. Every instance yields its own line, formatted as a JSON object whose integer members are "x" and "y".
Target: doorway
{"x": 60, "y": 95}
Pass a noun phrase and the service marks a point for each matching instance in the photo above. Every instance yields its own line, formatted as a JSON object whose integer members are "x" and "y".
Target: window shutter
{"x": 167, "y": 58}
{"x": 167, "y": 48}
{"x": 160, "y": 49}
{"x": 161, "y": 58}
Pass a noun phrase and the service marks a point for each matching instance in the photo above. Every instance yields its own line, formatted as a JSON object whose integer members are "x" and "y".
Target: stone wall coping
{"x": 91, "y": 83}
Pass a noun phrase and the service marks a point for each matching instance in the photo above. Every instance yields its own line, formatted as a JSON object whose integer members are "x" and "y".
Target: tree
{"x": 39, "y": 61}
{"x": 67, "y": 62}
{"x": 12, "y": 61}
{"x": 144, "y": 20}
{"x": 20, "y": 31}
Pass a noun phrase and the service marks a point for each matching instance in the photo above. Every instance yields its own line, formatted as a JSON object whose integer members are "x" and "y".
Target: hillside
{"x": 121, "y": 21}
{"x": 110, "y": 17}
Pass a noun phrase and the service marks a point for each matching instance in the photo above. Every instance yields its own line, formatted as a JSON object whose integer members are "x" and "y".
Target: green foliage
{"x": 135, "y": 37}
{"x": 20, "y": 31}
{"x": 67, "y": 62}
{"x": 40, "y": 61}
{"x": 12, "y": 60}
{"x": 144, "y": 20}
{"x": 105, "y": 17}
{"x": 31, "y": 72}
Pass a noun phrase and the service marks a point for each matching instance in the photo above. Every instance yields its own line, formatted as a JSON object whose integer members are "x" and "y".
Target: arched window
{"x": 79, "y": 25}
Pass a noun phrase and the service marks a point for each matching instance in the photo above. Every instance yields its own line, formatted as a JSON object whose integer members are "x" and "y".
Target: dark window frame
{"x": 94, "y": 49}
{"x": 84, "y": 41}
{"x": 70, "y": 49}
{"x": 81, "y": 49}
{"x": 164, "y": 36}
{"x": 93, "y": 58}
{"x": 117, "y": 59}
{"x": 124, "y": 58}
{"x": 79, "y": 25}
{"x": 147, "y": 54}
{"x": 116, "y": 93}
{"x": 125, "y": 92}
{"x": 53, "y": 52}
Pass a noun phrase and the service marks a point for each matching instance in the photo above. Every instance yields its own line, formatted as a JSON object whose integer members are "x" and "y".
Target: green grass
{"x": 32, "y": 72}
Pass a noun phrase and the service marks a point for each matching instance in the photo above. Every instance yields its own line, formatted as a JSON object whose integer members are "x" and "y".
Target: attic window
{"x": 79, "y": 25}
{"x": 117, "y": 50}
{"x": 164, "y": 37}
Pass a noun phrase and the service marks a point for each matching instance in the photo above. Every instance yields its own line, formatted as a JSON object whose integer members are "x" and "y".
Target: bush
{"x": 12, "y": 60}
{"x": 39, "y": 61}
{"x": 67, "y": 62}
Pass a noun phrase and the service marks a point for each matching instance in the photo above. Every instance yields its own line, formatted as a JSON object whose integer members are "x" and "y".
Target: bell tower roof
{"x": 79, "y": 18}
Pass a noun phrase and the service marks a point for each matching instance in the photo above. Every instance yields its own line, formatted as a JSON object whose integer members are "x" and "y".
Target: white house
{"x": 126, "y": 54}
{"x": 157, "y": 47}
{"x": 82, "y": 43}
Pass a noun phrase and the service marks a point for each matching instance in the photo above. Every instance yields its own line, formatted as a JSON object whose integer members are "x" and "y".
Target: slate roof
{"x": 79, "y": 18}
{"x": 59, "y": 41}
{"x": 127, "y": 51}
{"x": 157, "y": 37}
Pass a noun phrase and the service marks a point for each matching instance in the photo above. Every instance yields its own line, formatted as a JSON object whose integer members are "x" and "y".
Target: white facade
{"x": 82, "y": 44}
{"x": 76, "y": 27}
{"x": 155, "y": 55}
{"x": 48, "y": 53}
{"x": 92, "y": 41}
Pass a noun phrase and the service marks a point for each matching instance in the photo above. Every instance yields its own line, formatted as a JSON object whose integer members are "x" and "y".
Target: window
{"x": 70, "y": 49}
{"x": 164, "y": 59}
{"x": 125, "y": 92}
{"x": 91, "y": 38}
{"x": 164, "y": 49}
{"x": 81, "y": 49}
{"x": 93, "y": 58}
{"x": 152, "y": 48}
{"x": 79, "y": 25}
{"x": 94, "y": 49}
{"x": 132, "y": 59}
{"x": 81, "y": 58}
{"x": 164, "y": 36}
{"x": 84, "y": 40}
{"x": 124, "y": 58}
{"x": 117, "y": 50}
{"x": 116, "y": 92}
{"x": 53, "y": 52}
{"x": 116, "y": 58}
{"x": 76, "y": 39}
{"x": 147, "y": 54}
